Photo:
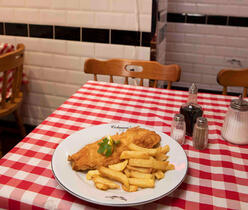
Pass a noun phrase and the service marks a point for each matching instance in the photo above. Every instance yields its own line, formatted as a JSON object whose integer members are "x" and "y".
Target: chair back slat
{"x": 133, "y": 68}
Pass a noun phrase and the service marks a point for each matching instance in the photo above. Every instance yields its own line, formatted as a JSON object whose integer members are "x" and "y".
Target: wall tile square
{"x": 197, "y": 19}
{"x": 23, "y": 15}
{"x": 217, "y": 20}
{"x": 95, "y": 35}
{"x": 16, "y": 29}
{"x": 85, "y": 49}
{"x": 128, "y": 6}
{"x": 174, "y": 17}
{"x": 108, "y": 51}
{"x": 125, "y": 37}
{"x": 238, "y": 21}
{"x": 145, "y": 6}
{"x": 39, "y": 4}
{"x": 41, "y": 31}
{"x": 53, "y": 17}
{"x": 67, "y": 33}
{"x": 1, "y": 28}
{"x": 146, "y": 39}
{"x": 81, "y": 18}
{"x": 53, "y": 46}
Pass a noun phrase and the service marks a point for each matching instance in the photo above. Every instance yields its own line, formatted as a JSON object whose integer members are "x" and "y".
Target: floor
{"x": 9, "y": 136}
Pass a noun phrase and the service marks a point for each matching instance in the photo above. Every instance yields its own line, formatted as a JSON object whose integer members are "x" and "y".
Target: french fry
{"x": 141, "y": 163}
{"x": 170, "y": 167}
{"x": 134, "y": 154}
{"x": 139, "y": 169}
{"x": 135, "y": 147}
{"x": 114, "y": 175}
{"x": 159, "y": 174}
{"x": 119, "y": 166}
{"x": 109, "y": 183}
{"x": 136, "y": 174}
{"x": 161, "y": 157}
{"x": 165, "y": 149}
{"x": 160, "y": 165}
{"x": 151, "y": 163}
{"x": 101, "y": 186}
{"x": 127, "y": 172}
{"x": 132, "y": 188}
{"x": 143, "y": 183}
{"x": 91, "y": 173}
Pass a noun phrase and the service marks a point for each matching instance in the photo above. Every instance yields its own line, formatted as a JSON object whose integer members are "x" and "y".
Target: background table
{"x": 217, "y": 177}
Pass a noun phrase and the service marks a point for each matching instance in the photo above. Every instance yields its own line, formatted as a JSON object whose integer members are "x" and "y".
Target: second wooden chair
{"x": 235, "y": 78}
{"x": 134, "y": 68}
{"x": 11, "y": 98}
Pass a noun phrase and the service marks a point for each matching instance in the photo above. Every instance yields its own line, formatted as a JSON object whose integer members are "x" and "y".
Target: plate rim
{"x": 120, "y": 204}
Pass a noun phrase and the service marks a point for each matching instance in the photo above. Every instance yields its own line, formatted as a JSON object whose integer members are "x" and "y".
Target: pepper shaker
{"x": 200, "y": 133}
{"x": 178, "y": 128}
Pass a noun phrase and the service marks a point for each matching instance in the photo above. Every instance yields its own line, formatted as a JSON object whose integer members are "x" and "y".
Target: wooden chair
{"x": 9, "y": 104}
{"x": 133, "y": 68}
{"x": 237, "y": 78}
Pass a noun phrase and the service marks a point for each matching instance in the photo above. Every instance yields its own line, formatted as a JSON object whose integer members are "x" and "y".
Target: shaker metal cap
{"x": 193, "y": 89}
{"x": 239, "y": 104}
{"x": 179, "y": 117}
{"x": 202, "y": 121}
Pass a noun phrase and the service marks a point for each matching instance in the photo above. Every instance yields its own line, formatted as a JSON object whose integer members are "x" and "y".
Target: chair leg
{"x": 20, "y": 123}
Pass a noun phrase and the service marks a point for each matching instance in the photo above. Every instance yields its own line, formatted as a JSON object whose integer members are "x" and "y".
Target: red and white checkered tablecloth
{"x": 6, "y": 48}
{"x": 217, "y": 177}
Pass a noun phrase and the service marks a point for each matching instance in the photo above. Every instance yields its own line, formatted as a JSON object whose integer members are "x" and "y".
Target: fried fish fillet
{"x": 89, "y": 158}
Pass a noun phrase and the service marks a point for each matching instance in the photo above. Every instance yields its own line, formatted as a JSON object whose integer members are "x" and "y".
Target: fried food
{"x": 114, "y": 175}
{"x": 133, "y": 173}
{"x": 89, "y": 158}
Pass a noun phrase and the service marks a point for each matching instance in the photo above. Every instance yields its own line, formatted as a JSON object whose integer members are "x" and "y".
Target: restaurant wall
{"x": 206, "y": 36}
{"x": 60, "y": 35}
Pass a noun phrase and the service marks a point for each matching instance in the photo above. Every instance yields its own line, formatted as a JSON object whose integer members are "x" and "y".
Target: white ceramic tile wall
{"x": 134, "y": 14}
{"x": 203, "y": 50}
{"x": 56, "y": 72}
{"x": 55, "y": 67}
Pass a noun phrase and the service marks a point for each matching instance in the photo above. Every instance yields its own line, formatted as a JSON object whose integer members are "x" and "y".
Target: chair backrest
{"x": 134, "y": 68}
{"x": 11, "y": 63}
{"x": 235, "y": 78}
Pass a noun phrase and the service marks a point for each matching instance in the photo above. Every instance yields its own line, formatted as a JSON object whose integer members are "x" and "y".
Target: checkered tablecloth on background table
{"x": 217, "y": 176}
{"x": 6, "y": 48}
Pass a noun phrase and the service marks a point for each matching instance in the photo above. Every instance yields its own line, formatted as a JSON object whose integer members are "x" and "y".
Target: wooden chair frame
{"x": 133, "y": 68}
{"x": 12, "y": 61}
{"x": 235, "y": 78}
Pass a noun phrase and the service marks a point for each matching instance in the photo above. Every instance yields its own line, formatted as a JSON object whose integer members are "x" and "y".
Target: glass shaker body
{"x": 235, "y": 126}
{"x": 191, "y": 112}
{"x": 178, "y": 128}
{"x": 200, "y": 133}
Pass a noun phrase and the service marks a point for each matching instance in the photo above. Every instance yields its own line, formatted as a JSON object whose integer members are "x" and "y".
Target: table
{"x": 217, "y": 177}
{"x": 6, "y": 48}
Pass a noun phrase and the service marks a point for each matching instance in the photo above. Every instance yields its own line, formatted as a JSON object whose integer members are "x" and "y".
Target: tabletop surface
{"x": 217, "y": 176}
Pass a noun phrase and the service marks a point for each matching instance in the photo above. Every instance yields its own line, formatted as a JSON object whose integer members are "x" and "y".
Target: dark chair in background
{"x": 11, "y": 95}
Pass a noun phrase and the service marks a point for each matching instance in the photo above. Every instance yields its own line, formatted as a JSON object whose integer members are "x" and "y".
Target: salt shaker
{"x": 200, "y": 133}
{"x": 178, "y": 128}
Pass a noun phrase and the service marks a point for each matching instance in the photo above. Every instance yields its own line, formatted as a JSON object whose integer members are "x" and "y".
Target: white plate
{"x": 77, "y": 184}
